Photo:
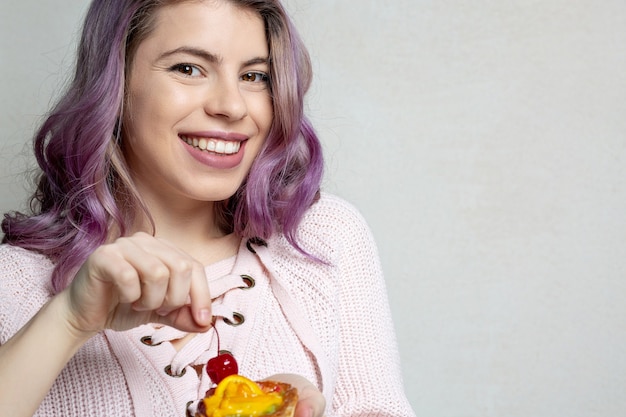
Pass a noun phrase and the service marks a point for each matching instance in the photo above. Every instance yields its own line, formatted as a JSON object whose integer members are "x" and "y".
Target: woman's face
{"x": 198, "y": 102}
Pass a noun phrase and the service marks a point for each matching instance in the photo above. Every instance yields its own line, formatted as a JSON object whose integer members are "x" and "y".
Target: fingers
{"x": 191, "y": 290}
{"x": 187, "y": 285}
{"x": 311, "y": 402}
{"x": 164, "y": 274}
{"x": 200, "y": 299}
{"x": 158, "y": 281}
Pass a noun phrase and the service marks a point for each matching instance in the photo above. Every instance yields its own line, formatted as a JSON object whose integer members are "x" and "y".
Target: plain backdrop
{"x": 485, "y": 143}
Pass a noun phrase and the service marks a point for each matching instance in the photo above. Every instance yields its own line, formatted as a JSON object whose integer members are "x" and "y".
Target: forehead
{"x": 214, "y": 24}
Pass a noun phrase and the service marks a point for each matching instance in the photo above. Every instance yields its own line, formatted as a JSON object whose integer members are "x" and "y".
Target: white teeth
{"x": 213, "y": 145}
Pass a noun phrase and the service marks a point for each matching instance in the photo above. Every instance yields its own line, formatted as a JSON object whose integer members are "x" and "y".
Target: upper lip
{"x": 217, "y": 134}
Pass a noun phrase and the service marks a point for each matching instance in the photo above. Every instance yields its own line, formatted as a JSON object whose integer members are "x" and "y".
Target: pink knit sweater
{"x": 329, "y": 322}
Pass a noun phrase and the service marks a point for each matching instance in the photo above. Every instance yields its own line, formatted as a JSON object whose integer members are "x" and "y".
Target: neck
{"x": 190, "y": 227}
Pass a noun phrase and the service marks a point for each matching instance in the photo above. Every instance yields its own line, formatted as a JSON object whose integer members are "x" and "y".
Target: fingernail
{"x": 137, "y": 306}
{"x": 204, "y": 315}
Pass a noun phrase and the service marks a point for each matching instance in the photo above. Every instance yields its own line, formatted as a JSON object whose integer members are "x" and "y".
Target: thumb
{"x": 200, "y": 298}
{"x": 311, "y": 402}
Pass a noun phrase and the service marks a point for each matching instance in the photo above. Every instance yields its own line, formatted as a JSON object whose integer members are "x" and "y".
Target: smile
{"x": 219, "y": 146}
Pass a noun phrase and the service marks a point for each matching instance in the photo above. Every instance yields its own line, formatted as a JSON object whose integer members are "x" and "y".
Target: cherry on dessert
{"x": 221, "y": 366}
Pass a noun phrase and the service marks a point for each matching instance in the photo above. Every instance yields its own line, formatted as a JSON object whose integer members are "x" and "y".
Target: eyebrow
{"x": 208, "y": 56}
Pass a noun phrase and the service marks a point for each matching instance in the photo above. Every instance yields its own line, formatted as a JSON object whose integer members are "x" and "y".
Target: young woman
{"x": 178, "y": 213}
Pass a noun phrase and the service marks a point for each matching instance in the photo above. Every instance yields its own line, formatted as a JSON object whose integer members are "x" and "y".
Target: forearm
{"x": 33, "y": 358}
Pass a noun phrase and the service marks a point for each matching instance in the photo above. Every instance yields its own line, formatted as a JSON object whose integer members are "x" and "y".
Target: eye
{"x": 187, "y": 70}
{"x": 255, "y": 77}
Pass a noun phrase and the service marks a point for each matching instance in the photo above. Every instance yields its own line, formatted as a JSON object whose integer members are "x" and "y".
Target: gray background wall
{"x": 485, "y": 142}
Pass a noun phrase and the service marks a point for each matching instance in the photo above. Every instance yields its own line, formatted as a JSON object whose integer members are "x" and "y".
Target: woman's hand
{"x": 311, "y": 402}
{"x": 136, "y": 280}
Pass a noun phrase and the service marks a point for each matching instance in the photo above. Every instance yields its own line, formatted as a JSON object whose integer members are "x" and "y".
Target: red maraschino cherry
{"x": 221, "y": 366}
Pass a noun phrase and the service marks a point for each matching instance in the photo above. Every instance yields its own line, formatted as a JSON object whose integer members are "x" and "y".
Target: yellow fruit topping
{"x": 239, "y": 396}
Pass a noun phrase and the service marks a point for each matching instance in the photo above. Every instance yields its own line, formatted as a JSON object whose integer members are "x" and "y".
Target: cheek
{"x": 151, "y": 116}
{"x": 145, "y": 106}
{"x": 152, "y": 99}
{"x": 266, "y": 114}
{"x": 260, "y": 107}
{"x": 138, "y": 108}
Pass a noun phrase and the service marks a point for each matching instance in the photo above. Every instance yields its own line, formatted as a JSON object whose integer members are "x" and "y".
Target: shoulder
{"x": 331, "y": 227}
{"x": 333, "y": 210}
{"x": 19, "y": 264}
{"x": 24, "y": 286}
{"x": 335, "y": 217}
{"x": 17, "y": 253}
{"x": 338, "y": 222}
{"x": 331, "y": 205}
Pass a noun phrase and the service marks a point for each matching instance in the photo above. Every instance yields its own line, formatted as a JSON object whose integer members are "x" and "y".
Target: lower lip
{"x": 216, "y": 160}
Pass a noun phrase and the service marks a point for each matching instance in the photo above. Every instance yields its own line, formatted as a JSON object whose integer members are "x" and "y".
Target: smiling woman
{"x": 179, "y": 195}
{"x": 186, "y": 86}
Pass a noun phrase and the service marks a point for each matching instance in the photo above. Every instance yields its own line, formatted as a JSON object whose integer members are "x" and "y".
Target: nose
{"x": 227, "y": 101}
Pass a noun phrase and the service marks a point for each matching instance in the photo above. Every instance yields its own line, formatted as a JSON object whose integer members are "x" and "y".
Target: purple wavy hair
{"x": 85, "y": 195}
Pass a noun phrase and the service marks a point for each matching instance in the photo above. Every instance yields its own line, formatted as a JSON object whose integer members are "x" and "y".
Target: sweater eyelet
{"x": 255, "y": 241}
{"x": 168, "y": 371}
{"x": 249, "y": 281}
{"x": 147, "y": 340}
{"x": 239, "y": 319}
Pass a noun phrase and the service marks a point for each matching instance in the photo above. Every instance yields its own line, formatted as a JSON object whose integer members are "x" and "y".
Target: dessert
{"x": 238, "y": 396}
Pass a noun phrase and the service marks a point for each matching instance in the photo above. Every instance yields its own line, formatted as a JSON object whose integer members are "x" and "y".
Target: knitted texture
{"x": 329, "y": 322}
